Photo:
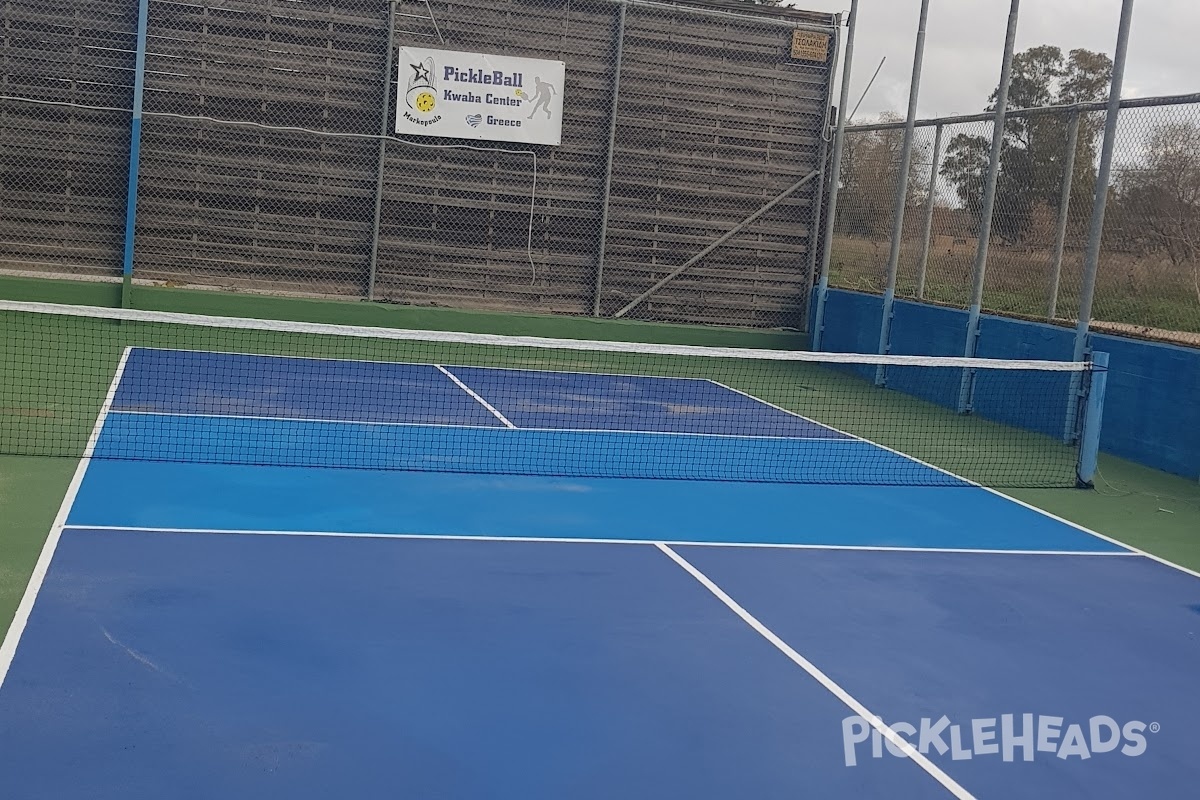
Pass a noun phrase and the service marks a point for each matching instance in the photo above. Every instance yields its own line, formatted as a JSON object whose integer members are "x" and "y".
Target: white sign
{"x": 476, "y": 96}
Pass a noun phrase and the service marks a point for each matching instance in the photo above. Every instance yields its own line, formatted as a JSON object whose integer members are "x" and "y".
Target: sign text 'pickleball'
{"x": 478, "y": 96}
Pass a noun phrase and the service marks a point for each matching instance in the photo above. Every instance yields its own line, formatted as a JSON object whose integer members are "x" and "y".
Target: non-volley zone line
{"x": 604, "y": 541}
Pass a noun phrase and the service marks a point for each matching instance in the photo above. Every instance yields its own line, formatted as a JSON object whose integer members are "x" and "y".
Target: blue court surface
{"x": 208, "y": 626}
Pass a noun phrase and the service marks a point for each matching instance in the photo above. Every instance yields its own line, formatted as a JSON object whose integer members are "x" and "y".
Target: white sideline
{"x": 8, "y": 647}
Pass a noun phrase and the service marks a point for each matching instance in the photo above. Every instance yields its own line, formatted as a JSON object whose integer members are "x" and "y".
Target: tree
{"x": 1034, "y": 147}
{"x": 1157, "y": 197}
{"x": 965, "y": 166}
{"x": 870, "y": 165}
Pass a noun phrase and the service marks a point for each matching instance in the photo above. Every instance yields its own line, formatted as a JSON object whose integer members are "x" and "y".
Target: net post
{"x": 923, "y": 264}
{"x": 135, "y": 153}
{"x": 1064, "y": 205}
{"x": 602, "y": 245}
{"x": 818, "y": 325}
{"x": 989, "y": 204}
{"x": 893, "y": 269}
{"x": 381, "y": 158}
{"x": 1091, "y": 258}
{"x": 1093, "y": 417}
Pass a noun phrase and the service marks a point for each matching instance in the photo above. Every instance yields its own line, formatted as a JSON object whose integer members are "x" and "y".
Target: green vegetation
{"x": 1130, "y": 290}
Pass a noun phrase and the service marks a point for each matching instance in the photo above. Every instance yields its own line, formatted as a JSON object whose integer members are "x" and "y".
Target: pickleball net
{"x": 207, "y": 389}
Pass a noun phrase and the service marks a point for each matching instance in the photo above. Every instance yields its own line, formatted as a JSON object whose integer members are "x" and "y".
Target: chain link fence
{"x": 66, "y": 84}
{"x": 1148, "y": 281}
{"x": 269, "y": 164}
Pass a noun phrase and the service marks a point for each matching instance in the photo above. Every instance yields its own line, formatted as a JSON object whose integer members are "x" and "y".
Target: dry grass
{"x": 1145, "y": 295}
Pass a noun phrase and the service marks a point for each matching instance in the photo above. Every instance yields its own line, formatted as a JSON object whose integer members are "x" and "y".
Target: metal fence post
{"x": 135, "y": 153}
{"x": 1091, "y": 258}
{"x": 839, "y": 137}
{"x": 989, "y": 204}
{"x": 612, "y": 142}
{"x": 1064, "y": 205}
{"x": 923, "y": 264}
{"x": 814, "y": 235}
{"x": 893, "y": 268}
{"x": 380, "y": 164}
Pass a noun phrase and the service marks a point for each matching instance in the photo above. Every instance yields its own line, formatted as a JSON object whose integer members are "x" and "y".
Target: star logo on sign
{"x": 421, "y": 72}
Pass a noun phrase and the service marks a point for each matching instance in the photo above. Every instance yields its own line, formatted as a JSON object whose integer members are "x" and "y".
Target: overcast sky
{"x": 964, "y": 40}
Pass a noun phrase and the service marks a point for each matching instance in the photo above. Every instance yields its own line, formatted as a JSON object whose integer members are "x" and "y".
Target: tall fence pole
{"x": 612, "y": 143}
{"x": 381, "y": 159}
{"x": 1064, "y": 206}
{"x": 135, "y": 154}
{"x": 835, "y": 176}
{"x": 893, "y": 267}
{"x": 814, "y": 236}
{"x": 923, "y": 264}
{"x": 989, "y": 204}
{"x": 1091, "y": 258}
{"x": 814, "y": 231}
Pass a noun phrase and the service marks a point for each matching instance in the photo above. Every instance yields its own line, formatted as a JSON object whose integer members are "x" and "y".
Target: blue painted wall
{"x": 1019, "y": 398}
{"x": 852, "y": 325}
{"x": 1152, "y": 409}
{"x": 923, "y": 330}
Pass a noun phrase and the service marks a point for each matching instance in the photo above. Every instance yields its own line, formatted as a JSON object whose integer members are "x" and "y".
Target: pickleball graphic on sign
{"x": 422, "y": 89}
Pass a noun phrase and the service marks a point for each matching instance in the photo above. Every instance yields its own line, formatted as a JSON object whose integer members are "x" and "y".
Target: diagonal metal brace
{"x": 724, "y": 238}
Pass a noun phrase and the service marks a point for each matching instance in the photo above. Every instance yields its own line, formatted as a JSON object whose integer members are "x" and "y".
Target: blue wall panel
{"x": 1152, "y": 407}
{"x": 1001, "y": 337}
{"x": 852, "y": 325}
{"x": 1019, "y": 398}
{"x": 919, "y": 329}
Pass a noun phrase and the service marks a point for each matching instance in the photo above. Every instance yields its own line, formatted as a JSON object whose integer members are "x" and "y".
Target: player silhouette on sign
{"x": 541, "y": 97}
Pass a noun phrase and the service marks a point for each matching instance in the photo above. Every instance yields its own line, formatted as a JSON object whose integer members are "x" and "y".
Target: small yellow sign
{"x": 810, "y": 46}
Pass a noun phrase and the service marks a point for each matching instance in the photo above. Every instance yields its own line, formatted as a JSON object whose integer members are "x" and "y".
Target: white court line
{"x": 820, "y": 677}
{"x": 323, "y": 420}
{"x": 8, "y": 647}
{"x": 989, "y": 490}
{"x": 472, "y": 392}
{"x": 590, "y": 540}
